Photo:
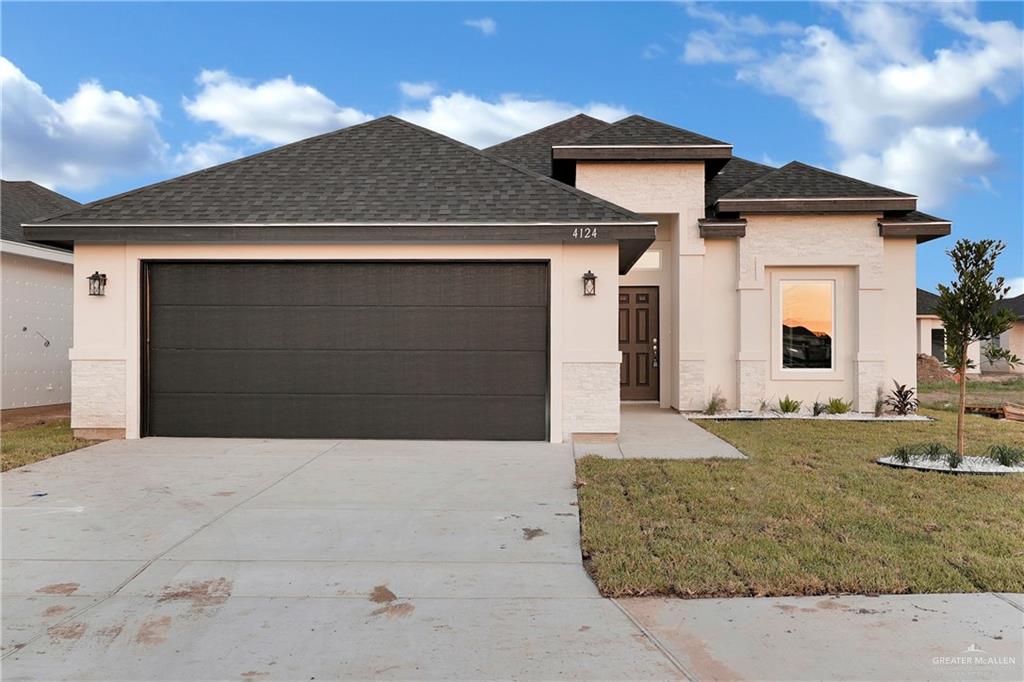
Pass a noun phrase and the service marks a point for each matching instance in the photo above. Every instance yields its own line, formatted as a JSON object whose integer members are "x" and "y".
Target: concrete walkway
{"x": 647, "y": 431}
{"x": 243, "y": 559}
{"x": 897, "y": 637}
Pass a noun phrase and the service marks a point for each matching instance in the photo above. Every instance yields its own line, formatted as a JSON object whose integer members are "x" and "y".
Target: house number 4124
{"x": 584, "y": 233}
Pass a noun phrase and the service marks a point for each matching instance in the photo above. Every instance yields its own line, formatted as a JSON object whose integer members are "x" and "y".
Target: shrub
{"x": 934, "y": 451}
{"x": 788, "y": 406}
{"x": 901, "y": 399}
{"x": 953, "y": 459}
{"x": 818, "y": 408}
{"x": 879, "y": 403}
{"x": 763, "y": 406}
{"x": 838, "y": 406}
{"x": 904, "y": 453}
{"x": 716, "y": 404}
{"x": 1007, "y": 455}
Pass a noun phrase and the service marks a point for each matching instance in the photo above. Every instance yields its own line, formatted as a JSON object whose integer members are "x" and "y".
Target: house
{"x": 387, "y": 281}
{"x": 1013, "y": 338}
{"x": 37, "y": 287}
{"x": 931, "y": 336}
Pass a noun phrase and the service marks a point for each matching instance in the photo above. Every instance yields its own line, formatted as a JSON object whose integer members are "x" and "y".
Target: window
{"x": 808, "y": 323}
{"x": 939, "y": 344}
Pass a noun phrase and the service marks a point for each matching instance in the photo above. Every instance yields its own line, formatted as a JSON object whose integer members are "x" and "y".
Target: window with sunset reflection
{"x": 807, "y": 323}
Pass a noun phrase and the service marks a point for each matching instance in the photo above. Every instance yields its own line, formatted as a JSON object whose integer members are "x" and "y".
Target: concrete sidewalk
{"x": 886, "y": 638}
{"x": 647, "y": 431}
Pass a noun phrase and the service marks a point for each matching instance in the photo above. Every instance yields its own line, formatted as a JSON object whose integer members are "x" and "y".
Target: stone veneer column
{"x": 752, "y": 361}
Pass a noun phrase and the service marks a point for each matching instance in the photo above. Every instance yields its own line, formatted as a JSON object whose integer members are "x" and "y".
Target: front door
{"x": 638, "y": 341}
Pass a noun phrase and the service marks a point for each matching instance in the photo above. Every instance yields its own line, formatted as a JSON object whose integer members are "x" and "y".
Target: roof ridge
{"x": 554, "y": 183}
{"x": 646, "y": 119}
{"x": 542, "y": 128}
{"x": 846, "y": 177}
{"x": 759, "y": 178}
{"x": 104, "y": 200}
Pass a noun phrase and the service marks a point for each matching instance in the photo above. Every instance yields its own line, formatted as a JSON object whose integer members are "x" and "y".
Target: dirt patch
{"x": 930, "y": 369}
{"x": 21, "y": 417}
{"x": 200, "y": 594}
{"x": 382, "y": 595}
{"x": 154, "y": 630}
{"x": 63, "y": 589}
{"x": 56, "y": 610}
{"x": 227, "y": 493}
{"x": 531, "y": 533}
{"x": 253, "y": 674}
{"x": 66, "y": 631}
{"x": 400, "y": 610}
{"x": 109, "y": 634}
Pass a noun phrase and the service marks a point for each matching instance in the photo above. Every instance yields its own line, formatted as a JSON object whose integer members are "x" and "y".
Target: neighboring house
{"x": 387, "y": 281}
{"x": 36, "y": 314}
{"x": 931, "y": 335}
{"x": 1013, "y": 338}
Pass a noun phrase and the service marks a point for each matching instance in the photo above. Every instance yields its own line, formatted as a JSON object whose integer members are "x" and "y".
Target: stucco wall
{"x": 675, "y": 190}
{"x": 927, "y": 323}
{"x": 105, "y": 357}
{"x": 36, "y": 309}
{"x": 1013, "y": 339}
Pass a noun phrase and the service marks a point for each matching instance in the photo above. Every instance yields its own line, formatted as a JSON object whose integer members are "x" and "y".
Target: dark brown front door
{"x": 638, "y": 341}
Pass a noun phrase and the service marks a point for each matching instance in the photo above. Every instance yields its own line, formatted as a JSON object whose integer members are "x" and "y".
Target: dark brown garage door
{"x": 347, "y": 350}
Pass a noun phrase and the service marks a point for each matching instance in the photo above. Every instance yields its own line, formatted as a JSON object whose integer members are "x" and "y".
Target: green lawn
{"x": 809, "y": 513}
{"x": 25, "y": 445}
{"x": 943, "y": 395}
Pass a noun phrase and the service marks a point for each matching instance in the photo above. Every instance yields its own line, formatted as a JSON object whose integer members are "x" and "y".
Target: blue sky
{"x": 100, "y": 98}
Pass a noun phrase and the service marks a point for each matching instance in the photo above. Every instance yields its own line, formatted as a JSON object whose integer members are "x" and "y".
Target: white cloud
{"x": 927, "y": 161}
{"x": 78, "y": 143}
{"x": 205, "y": 154}
{"x": 727, "y": 41}
{"x": 417, "y": 90}
{"x": 897, "y": 116}
{"x": 486, "y": 25}
{"x": 275, "y": 111}
{"x": 1016, "y": 285}
{"x": 653, "y": 51}
{"x": 482, "y": 123}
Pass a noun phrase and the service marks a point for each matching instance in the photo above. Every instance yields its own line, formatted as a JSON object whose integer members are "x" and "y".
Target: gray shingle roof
{"x": 533, "y": 150}
{"x": 797, "y": 180}
{"x": 1015, "y": 304}
{"x": 24, "y": 201}
{"x": 913, "y": 218}
{"x": 640, "y": 130}
{"x": 926, "y": 301}
{"x": 384, "y": 171}
{"x": 736, "y": 173}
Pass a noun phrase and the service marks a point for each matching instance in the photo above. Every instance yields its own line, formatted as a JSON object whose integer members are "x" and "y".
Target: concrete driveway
{"x": 246, "y": 559}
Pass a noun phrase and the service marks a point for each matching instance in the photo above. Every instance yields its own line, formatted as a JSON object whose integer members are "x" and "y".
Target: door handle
{"x": 654, "y": 352}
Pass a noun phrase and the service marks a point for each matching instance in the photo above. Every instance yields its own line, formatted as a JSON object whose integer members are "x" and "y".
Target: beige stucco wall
{"x": 35, "y": 308}
{"x": 584, "y": 341}
{"x": 672, "y": 191}
{"x": 924, "y": 326}
{"x": 1013, "y": 339}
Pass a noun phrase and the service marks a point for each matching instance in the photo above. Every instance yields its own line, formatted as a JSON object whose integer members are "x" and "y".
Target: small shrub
{"x": 904, "y": 453}
{"x": 954, "y": 459}
{"x": 879, "y": 403}
{"x": 838, "y": 406}
{"x": 934, "y": 451}
{"x": 1007, "y": 455}
{"x": 818, "y": 408}
{"x": 901, "y": 399}
{"x": 763, "y": 406}
{"x": 788, "y": 406}
{"x": 716, "y": 404}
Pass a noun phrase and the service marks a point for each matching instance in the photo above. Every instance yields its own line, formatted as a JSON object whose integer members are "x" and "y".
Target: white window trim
{"x": 804, "y": 371}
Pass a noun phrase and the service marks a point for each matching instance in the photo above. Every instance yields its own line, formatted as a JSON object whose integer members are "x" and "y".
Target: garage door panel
{"x": 327, "y": 372}
{"x": 349, "y": 328}
{"x": 469, "y": 284}
{"x": 400, "y": 417}
{"x": 348, "y": 350}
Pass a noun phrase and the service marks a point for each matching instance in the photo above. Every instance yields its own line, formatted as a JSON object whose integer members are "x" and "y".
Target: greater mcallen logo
{"x": 974, "y": 655}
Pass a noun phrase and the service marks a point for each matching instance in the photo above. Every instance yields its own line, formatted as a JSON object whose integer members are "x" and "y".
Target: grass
{"x": 30, "y": 444}
{"x": 943, "y": 395}
{"x": 809, "y": 513}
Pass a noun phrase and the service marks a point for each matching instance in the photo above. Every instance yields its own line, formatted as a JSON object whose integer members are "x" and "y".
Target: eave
{"x": 817, "y": 205}
{"x": 641, "y": 152}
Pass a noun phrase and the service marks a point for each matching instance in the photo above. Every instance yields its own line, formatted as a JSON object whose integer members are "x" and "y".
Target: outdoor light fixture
{"x": 589, "y": 283}
{"x": 97, "y": 283}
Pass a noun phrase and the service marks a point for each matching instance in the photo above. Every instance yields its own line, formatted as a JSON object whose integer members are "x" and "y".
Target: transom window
{"x": 808, "y": 323}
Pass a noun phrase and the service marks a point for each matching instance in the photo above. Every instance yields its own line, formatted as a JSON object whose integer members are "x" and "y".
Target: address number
{"x": 584, "y": 233}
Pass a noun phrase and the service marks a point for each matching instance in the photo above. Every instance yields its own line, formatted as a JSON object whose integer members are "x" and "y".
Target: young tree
{"x": 969, "y": 314}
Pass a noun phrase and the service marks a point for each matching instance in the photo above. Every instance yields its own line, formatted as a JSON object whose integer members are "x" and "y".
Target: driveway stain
{"x": 154, "y": 630}
{"x": 531, "y": 533}
{"x": 56, "y": 610}
{"x": 382, "y": 595}
{"x": 70, "y": 631}
{"x": 59, "y": 588}
{"x": 399, "y": 610}
{"x": 200, "y": 594}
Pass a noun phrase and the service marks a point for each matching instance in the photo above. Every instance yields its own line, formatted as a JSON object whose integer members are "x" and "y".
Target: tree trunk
{"x": 963, "y": 405}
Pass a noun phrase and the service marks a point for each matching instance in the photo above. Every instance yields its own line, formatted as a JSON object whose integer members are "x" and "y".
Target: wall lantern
{"x": 97, "y": 283}
{"x": 589, "y": 284}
